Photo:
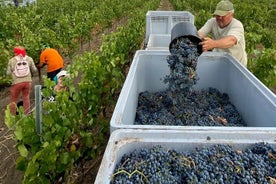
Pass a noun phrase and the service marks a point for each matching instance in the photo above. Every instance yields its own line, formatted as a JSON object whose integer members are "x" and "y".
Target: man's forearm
{"x": 41, "y": 65}
{"x": 225, "y": 42}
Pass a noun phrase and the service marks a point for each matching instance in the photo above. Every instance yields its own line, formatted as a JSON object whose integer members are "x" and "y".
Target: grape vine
{"x": 75, "y": 130}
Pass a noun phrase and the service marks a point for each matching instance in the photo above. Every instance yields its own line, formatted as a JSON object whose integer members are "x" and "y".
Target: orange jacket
{"x": 52, "y": 59}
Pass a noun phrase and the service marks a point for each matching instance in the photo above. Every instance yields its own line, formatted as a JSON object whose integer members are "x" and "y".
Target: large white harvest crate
{"x": 162, "y": 22}
{"x": 125, "y": 141}
{"x": 253, "y": 100}
{"x": 159, "y": 42}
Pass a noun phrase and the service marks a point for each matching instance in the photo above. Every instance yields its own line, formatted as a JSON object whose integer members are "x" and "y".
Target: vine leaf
{"x": 18, "y": 133}
{"x": 22, "y": 150}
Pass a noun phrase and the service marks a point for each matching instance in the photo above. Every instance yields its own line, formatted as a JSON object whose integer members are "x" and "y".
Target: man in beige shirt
{"x": 227, "y": 33}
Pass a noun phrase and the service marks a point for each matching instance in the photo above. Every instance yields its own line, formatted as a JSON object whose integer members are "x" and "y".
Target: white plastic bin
{"x": 28, "y": 2}
{"x": 159, "y": 42}
{"x": 253, "y": 100}
{"x": 126, "y": 140}
{"x": 162, "y": 22}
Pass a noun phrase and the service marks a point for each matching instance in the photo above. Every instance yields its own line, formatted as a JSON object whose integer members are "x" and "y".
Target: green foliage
{"x": 4, "y": 54}
{"x": 116, "y": 48}
{"x": 263, "y": 66}
{"x": 74, "y": 125}
{"x": 64, "y": 26}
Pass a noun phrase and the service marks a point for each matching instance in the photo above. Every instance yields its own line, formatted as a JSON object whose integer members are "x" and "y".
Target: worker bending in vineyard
{"x": 60, "y": 86}
{"x": 227, "y": 33}
{"x": 59, "y": 83}
{"x": 53, "y": 60}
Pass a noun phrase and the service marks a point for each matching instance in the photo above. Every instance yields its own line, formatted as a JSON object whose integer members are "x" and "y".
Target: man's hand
{"x": 223, "y": 43}
{"x": 207, "y": 44}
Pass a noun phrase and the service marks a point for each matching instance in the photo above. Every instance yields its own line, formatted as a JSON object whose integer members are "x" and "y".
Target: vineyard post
{"x": 38, "y": 111}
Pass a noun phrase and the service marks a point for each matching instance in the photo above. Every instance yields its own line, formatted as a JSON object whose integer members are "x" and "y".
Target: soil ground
{"x": 8, "y": 153}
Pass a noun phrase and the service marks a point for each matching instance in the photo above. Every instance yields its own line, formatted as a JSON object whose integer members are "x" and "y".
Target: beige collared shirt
{"x": 235, "y": 28}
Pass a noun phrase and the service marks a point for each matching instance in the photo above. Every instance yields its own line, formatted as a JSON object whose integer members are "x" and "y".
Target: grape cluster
{"x": 182, "y": 63}
{"x": 220, "y": 164}
{"x": 180, "y": 105}
{"x": 196, "y": 108}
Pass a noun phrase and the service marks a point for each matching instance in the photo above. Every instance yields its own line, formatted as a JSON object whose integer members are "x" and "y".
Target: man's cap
{"x": 223, "y": 8}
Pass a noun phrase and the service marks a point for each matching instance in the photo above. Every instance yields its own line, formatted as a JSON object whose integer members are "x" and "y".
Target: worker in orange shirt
{"x": 53, "y": 60}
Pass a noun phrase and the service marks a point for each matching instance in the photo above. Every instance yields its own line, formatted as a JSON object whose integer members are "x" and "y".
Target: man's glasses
{"x": 22, "y": 63}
